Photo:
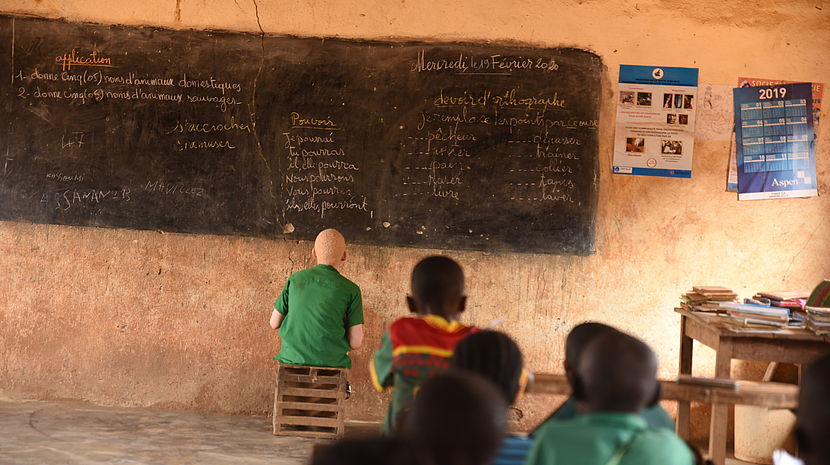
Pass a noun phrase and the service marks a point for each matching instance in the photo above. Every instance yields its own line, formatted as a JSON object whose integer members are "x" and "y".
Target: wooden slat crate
{"x": 308, "y": 401}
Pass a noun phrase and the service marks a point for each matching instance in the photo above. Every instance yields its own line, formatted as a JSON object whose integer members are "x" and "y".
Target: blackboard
{"x": 450, "y": 146}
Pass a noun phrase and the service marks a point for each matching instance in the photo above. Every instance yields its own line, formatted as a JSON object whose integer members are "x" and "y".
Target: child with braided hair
{"x": 496, "y": 357}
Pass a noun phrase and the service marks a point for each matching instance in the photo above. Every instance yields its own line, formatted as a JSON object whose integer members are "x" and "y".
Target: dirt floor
{"x": 40, "y": 433}
{"x": 70, "y": 433}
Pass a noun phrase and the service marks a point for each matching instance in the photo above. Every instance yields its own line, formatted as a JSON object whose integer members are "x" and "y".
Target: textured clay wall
{"x": 129, "y": 318}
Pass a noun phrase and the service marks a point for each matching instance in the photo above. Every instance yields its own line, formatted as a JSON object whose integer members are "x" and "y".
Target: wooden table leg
{"x": 720, "y": 412}
{"x": 799, "y": 371}
{"x": 684, "y": 409}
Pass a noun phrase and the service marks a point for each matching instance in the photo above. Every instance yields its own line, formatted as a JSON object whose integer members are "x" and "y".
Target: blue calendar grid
{"x": 775, "y": 135}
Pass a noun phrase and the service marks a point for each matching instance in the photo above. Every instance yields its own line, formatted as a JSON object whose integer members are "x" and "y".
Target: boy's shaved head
{"x": 578, "y": 339}
{"x": 458, "y": 418}
{"x": 438, "y": 287}
{"x": 618, "y": 373}
{"x": 814, "y": 413}
{"x": 437, "y": 278}
{"x": 329, "y": 247}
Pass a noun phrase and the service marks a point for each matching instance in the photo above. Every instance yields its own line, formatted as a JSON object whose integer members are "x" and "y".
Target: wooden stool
{"x": 308, "y": 401}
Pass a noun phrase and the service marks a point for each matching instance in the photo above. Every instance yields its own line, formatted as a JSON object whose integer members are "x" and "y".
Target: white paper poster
{"x": 715, "y": 120}
{"x": 655, "y": 131}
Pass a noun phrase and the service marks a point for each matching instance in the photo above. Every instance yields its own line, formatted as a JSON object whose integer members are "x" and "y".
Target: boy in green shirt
{"x": 579, "y": 337}
{"x": 319, "y": 312}
{"x": 617, "y": 378}
{"x": 415, "y": 348}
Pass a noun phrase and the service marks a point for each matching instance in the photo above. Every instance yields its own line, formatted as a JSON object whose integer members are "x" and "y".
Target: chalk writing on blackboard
{"x": 319, "y": 177}
{"x": 73, "y": 58}
{"x": 478, "y": 64}
{"x": 455, "y": 145}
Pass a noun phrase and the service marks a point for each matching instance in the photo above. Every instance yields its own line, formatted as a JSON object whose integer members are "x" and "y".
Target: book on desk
{"x": 765, "y": 310}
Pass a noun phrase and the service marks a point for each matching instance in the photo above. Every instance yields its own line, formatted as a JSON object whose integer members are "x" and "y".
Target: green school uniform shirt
{"x": 655, "y": 416}
{"x": 319, "y": 305}
{"x": 593, "y": 438}
{"x": 410, "y": 352}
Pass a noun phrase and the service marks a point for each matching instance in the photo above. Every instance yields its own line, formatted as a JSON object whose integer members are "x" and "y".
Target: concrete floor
{"x": 52, "y": 433}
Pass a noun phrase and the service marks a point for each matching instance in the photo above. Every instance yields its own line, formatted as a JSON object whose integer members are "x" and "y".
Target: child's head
{"x": 329, "y": 247}
{"x": 458, "y": 419}
{"x": 369, "y": 451}
{"x": 578, "y": 339}
{"x": 494, "y": 356}
{"x": 575, "y": 344}
{"x": 437, "y": 288}
{"x": 814, "y": 413}
{"x": 617, "y": 373}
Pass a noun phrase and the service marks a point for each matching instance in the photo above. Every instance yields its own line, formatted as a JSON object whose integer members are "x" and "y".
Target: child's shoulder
{"x": 327, "y": 274}
{"x": 345, "y": 284}
{"x": 334, "y": 274}
{"x": 430, "y": 322}
{"x": 405, "y": 321}
{"x": 302, "y": 273}
{"x": 349, "y": 283}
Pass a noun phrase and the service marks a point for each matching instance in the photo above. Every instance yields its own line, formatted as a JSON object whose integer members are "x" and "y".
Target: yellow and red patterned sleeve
{"x": 380, "y": 367}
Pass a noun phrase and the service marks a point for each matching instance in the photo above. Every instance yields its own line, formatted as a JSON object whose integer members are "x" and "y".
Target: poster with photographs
{"x": 655, "y": 132}
{"x": 775, "y": 141}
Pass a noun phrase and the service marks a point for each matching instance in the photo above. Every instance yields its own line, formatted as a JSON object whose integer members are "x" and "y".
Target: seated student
{"x": 616, "y": 377}
{"x": 417, "y": 347}
{"x": 577, "y": 340}
{"x": 319, "y": 312}
{"x": 457, "y": 418}
{"x": 813, "y": 414}
{"x": 496, "y": 357}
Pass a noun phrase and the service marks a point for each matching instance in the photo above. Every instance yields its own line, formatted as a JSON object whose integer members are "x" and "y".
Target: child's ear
{"x": 658, "y": 391}
{"x": 410, "y": 302}
{"x": 313, "y": 253}
{"x": 577, "y": 391}
{"x": 462, "y": 304}
{"x": 801, "y": 440}
{"x": 570, "y": 375}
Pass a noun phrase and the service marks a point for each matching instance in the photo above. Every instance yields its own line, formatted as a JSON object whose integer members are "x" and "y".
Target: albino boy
{"x": 319, "y": 313}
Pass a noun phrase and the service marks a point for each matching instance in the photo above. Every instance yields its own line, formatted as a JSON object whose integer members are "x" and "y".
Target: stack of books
{"x": 771, "y": 310}
{"x": 818, "y": 320}
{"x": 756, "y": 315}
{"x": 817, "y": 309}
{"x": 793, "y": 301}
{"x": 786, "y": 299}
{"x": 707, "y": 298}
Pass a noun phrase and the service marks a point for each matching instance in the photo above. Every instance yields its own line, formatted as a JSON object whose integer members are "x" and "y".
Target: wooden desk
{"x": 797, "y": 346}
